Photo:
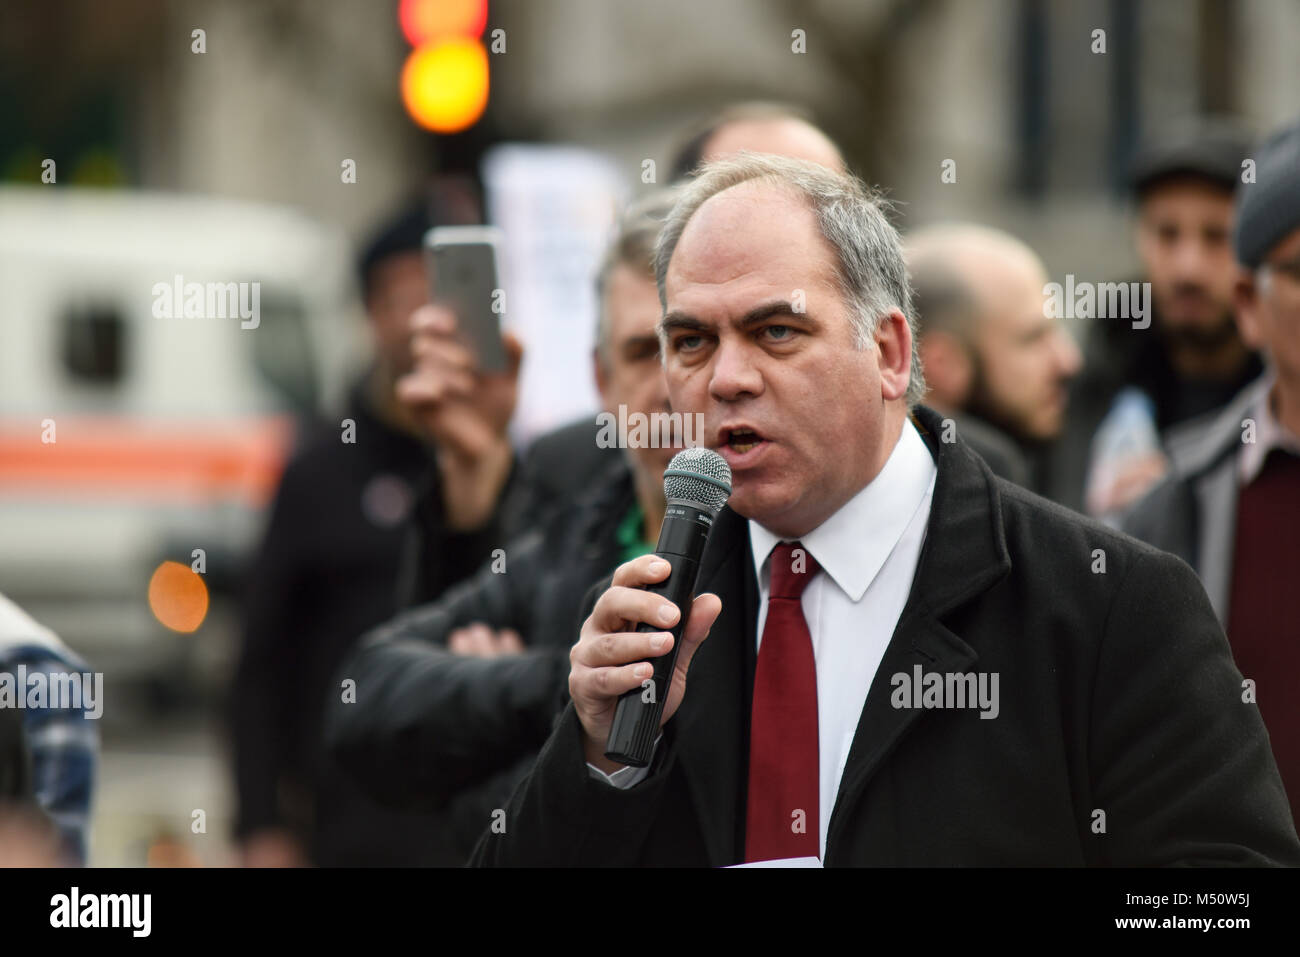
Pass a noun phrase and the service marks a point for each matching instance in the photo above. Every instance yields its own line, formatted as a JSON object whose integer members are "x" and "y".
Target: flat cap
{"x": 1209, "y": 147}
{"x": 1269, "y": 208}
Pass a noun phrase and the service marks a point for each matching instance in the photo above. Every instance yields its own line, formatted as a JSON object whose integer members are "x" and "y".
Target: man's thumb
{"x": 704, "y": 612}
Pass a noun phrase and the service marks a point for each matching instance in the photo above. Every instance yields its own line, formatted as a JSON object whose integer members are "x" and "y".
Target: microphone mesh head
{"x": 698, "y": 475}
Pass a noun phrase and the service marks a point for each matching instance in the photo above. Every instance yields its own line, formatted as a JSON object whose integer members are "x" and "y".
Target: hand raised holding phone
{"x": 462, "y": 403}
{"x": 459, "y": 405}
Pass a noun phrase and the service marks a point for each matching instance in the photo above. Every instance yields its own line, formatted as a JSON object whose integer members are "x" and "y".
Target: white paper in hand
{"x": 783, "y": 862}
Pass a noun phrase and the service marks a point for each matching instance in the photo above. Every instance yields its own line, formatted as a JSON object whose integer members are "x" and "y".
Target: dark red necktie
{"x": 784, "y": 760}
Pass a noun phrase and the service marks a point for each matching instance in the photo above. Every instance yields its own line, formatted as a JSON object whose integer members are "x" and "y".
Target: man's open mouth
{"x": 741, "y": 439}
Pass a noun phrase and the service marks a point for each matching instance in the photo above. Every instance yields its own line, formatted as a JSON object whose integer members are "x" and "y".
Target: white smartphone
{"x": 461, "y": 262}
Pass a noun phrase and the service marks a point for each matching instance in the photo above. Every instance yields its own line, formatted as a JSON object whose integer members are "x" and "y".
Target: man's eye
{"x": 779, "y": 333}
{"x": 687, "y": 343}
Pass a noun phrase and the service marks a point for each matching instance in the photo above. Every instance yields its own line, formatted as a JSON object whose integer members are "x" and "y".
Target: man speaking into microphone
{"x": 894, "y": 658}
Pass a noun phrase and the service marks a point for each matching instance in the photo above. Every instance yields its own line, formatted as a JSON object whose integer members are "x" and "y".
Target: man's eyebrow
{"x": 640, "y": 342}
{"x": 680, "y": 320}
{"x": 778, "y": 307}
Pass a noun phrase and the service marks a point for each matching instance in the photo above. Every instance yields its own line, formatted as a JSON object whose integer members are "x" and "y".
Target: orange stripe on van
{"x": 177, "y": 461}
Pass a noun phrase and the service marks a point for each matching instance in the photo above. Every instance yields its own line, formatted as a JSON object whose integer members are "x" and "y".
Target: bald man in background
{"x": 756, "y": 127}
{"x": 994, "y": 361}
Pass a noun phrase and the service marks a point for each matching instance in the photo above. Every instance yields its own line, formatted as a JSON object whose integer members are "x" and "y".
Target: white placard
{"x": 555, "y": 206}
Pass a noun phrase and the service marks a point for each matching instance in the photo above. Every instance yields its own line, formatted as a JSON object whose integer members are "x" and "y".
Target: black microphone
{"x": 696, "y": 485}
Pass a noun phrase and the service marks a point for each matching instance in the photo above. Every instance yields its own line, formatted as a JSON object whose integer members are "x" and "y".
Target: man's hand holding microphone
{"x": 610, "y": 658}
{"x": 628, "y": 674}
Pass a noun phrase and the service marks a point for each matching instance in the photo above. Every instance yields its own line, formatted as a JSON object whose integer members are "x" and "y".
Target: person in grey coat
{"x": 1231, "y": 504}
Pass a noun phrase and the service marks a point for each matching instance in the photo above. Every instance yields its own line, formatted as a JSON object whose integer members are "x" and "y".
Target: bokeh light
{"x": 426, "y": 20}
{"x": 178, "y": 597}
{"x": 445, "y": 85}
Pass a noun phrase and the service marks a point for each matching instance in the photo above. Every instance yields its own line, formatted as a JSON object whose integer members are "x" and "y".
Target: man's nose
{"x": 734, "y": 373}
{"x": 1191, "y": 260}
{"x": 658, "y": 396}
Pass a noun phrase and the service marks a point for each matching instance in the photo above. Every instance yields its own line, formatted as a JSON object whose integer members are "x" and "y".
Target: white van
{"x": 136, "y": 428}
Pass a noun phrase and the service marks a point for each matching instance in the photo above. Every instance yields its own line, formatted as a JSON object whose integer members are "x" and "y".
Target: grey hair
{"x": 870, "y": 270}
{"x": 632, "y": 245}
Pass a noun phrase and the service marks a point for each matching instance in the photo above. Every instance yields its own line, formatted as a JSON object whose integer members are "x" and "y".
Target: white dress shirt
{"x": 868, "y": 552}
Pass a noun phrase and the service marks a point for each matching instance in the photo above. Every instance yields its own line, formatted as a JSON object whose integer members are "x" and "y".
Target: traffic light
{"x": 425, "y": 21}
{"x": 445, "y": 78}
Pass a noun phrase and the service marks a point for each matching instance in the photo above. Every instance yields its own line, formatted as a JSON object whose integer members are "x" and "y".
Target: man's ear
{"x": 949, "y": 370}
{"x": 894, "y": 340}
{"x": 1246, "y": 307}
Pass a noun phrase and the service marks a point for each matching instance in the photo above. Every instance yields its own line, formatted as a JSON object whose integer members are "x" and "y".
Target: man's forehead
{"x": 1000, "y": 268}
{"x": 754, "y": 198}
{"x": 754, "y": 233}
{"x": 634, "y": 312}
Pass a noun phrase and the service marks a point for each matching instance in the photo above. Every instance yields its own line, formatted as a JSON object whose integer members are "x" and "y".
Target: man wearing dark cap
{"x": 1188, "y": 358}
{"x": 1231, "y": 505}
{"x": 327, "y": 571}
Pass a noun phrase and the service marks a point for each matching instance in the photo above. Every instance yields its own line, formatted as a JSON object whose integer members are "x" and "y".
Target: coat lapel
{"x": 713, "y": 718}
{"x": 964, "y": 554}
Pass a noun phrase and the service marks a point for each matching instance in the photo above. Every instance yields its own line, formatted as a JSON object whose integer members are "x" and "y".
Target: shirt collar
{"x": 1269, "y": 434}
{"x": 853, "y": 544}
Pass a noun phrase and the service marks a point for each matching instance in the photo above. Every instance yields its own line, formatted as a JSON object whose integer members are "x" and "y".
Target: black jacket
{"x": 427, "y": 724}
{"x": 326, "y": 572}
{"x": 1118, "y": 695}
{"x": 558, "y": 469}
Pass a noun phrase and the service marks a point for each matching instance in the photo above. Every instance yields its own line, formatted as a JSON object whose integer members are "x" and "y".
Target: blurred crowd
{"x": 1171, "y": 411}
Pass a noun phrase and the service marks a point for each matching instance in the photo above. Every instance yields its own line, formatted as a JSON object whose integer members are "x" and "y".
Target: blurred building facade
{"x": 1038, "y": 124}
